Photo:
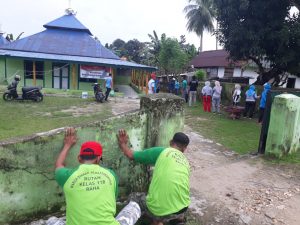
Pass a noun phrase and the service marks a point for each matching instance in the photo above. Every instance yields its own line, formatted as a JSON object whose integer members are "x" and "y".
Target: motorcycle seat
{"x": 27, "y": 89}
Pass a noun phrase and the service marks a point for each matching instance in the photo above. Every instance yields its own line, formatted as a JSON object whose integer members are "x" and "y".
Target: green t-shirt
{"x": 90, "y": 192}
{"x": 169, "y": 191}
{"x": 184, "y": 84}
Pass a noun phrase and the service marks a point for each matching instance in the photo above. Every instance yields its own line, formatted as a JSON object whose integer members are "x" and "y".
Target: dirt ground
{"x": 118, "y": 106}
{"x": 229, "y": 189}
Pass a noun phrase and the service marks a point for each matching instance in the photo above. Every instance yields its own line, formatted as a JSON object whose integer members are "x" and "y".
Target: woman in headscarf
{"x": 206, "y": 97}
{"x": 263, "y": 100}
{"x": 236, "y": 95}
{"x": 251, "y": 97}
{"x": 216, "y": 97}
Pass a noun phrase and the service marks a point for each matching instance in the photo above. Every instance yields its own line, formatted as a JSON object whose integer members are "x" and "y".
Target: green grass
{"x": 241, "y": 136}
{"x": 22, "y": 118}
{"x": 288, "y": 159}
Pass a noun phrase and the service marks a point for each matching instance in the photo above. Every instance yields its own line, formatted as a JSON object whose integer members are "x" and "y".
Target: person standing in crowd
{"x": 151, "y": 84}
{"x": 171, "y": 85}
{"x": 216, "y": 97}
{"x": 236, "y": 97}
{"x": 177, "y": 87}
{"x": 184, "y": 90}
{"x": 193, "y": 91}
{"x": 263, "y": 100}
{"x": 207, "y": 92}
{"x": 108, "y": 85}
{"x": 157, "y": 85}
{"x": 251, "y": 97}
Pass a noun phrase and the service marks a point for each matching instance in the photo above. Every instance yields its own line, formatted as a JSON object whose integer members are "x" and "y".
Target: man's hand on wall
{"x": 122, "y": 138}
{"x": 70, "y": 137}
{"x": 123, "y": 143}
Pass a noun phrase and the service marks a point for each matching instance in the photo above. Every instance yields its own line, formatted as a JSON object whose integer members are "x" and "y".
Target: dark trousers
{"x": 261, "y": 114}
{"x": 107, "y": 93}
{"x": 249, "y": 109}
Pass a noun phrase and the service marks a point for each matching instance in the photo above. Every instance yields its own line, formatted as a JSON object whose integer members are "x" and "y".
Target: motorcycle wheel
{"x": 100, "y": 98}
{"x": 39, "y": 98}
{"x": 7, "y": 97}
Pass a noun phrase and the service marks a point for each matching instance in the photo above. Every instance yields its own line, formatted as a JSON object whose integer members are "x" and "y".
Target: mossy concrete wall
{"x": 284, "y": 130}
{"x": 27, "y": 186}
{"x": 2, "y": 70}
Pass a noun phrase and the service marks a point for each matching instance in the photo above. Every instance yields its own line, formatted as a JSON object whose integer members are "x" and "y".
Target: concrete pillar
{"x": 284, "y": 130}
{"x": 164, "y": 117}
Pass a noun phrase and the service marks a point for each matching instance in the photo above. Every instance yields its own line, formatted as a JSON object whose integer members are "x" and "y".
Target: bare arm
{"x": 123, "y": 144}
{"x": 69, "y": 140}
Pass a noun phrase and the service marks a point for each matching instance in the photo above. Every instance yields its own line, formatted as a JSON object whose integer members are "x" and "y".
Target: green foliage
{"x": 201, "y": 75}
{"x": 172, "y": 59}
{"x": 134, "y": 49}
{"x": 261, "y": 31}
{"x": 169, "y": 55}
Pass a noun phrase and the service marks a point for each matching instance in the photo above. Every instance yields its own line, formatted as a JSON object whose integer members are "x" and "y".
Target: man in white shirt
{"x": 151, "y": 84}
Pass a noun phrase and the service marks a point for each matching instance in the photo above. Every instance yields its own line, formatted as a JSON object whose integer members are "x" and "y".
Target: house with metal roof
{"x": 218, "y": 64}
{"x": 64, "y": 56}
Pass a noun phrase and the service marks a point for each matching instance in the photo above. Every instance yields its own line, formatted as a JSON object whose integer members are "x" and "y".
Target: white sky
{"x": 106, "y": 19}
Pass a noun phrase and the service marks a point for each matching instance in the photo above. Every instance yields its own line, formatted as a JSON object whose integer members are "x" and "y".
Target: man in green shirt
{"x": 90, "y": 189}
{"x": 169, "y": 192}
{"x": 185, "y": 93}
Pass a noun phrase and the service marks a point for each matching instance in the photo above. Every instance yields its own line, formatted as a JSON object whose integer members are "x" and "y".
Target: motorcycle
{"x": 99, "y": 95}
{"x": 28, "y": 93}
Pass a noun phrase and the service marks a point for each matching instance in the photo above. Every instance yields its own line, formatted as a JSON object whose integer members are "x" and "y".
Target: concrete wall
{"x": 15, "y": 67}
{"x": 221, "y": 71}
{"x": 2, "y": 70}
{"x": 284, "y": 130}
{"x": 27, "y": 185}
{"x": 237, "y": 72}
{"x": 48, "y": 74}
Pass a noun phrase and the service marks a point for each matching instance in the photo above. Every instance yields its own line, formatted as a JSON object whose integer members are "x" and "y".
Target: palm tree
{"x": 200, "y": 15}
{"x": 155, "y": 45}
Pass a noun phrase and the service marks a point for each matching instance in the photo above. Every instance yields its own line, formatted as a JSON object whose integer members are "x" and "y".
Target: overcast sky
{"x": 106, "y": 19}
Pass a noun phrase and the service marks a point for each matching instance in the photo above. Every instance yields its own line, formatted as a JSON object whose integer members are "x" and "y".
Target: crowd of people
{"x": 211, "y": 96}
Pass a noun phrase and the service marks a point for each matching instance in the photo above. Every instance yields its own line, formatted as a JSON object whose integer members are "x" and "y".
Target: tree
{"x": 118, "y": 47}
{"x": 189, "y": 49}
{"x": 134, "y": 50}
{"x": 200, "y": 15}
{"x": 264, "y": 32}
{"x": 155, "y": 46}
{"x": 172, "y": 59}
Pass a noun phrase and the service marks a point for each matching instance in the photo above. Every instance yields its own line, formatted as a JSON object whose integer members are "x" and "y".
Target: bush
{"x": 201, "y": 75}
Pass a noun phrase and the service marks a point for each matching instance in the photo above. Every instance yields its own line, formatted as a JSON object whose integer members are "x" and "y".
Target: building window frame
{"x": 39, "y": 68}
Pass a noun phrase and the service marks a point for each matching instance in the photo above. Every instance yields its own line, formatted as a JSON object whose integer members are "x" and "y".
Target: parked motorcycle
{"x": 99, "y": 95}
{"x": 28, "y": 93}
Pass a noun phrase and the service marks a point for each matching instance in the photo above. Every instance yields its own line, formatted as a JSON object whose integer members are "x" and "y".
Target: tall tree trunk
{"x": 201, "y": 42}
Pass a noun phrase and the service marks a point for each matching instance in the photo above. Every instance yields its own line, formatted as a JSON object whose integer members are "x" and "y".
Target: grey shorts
{"x": 175, "y": 218}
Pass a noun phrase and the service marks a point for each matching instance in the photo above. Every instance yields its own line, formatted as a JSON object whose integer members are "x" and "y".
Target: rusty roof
{"x": 215, "y": 58}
